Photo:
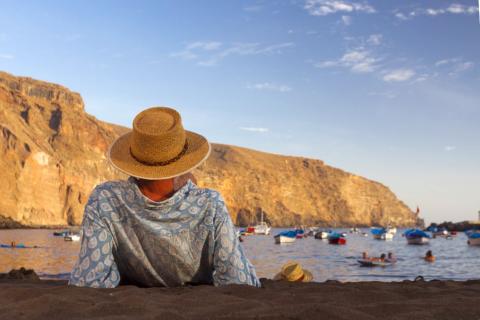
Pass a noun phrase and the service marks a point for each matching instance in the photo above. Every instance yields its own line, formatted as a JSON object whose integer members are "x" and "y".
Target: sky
{"x": 389, "y": 90}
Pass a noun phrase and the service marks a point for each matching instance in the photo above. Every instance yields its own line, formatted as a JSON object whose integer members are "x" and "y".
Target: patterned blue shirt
{"x": 186, "y": 239}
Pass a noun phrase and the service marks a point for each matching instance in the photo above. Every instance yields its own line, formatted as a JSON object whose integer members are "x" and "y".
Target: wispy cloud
{"x": 386, "y": 94}
{"x": 454, "y": 8}
{"x": 326, "y": 7}
{"x": 268, "y": 86}
{"x": 347, "y": 20}
{"x": 211, "y": 52}
{"x": 358, "y": 60}
{"x": 455, "y": 65}
{"x": 6, "y": 56}
{"x": 253, "y": 8}
{"x": 375, "y": 39}
{"x": 399, "y": 75}
{"x": 449, "y": 148}
{"x": 255, "y": 129}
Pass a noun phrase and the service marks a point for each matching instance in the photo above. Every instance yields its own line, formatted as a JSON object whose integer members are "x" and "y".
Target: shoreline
{"x": 53, "y": 299}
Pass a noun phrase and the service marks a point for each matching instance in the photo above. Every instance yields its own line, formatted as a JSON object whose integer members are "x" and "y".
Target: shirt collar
{"x": 178, "y": 196}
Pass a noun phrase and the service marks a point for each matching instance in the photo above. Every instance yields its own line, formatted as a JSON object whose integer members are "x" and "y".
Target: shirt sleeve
{"x": 95, "y": 266}
{"x": 231, "y": 266}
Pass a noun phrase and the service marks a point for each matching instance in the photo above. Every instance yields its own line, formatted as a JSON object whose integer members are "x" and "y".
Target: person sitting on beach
{"x": 429, "y": 257}
{"x": 158, "y": 228}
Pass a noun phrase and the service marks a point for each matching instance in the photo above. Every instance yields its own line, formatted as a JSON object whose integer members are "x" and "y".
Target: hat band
{"x": 162, "y": 163}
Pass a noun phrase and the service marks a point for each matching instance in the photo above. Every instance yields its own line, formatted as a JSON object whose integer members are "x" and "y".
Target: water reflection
{"x": 455, "y": 259}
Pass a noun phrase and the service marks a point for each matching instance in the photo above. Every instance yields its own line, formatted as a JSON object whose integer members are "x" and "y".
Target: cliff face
{"x": 53, "y": 154}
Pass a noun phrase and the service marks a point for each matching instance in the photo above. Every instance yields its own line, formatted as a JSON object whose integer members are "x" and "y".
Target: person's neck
{"x": 156, "y": 190}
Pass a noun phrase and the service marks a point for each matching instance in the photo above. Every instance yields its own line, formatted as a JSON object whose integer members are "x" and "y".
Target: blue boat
{"x": 417, "y": 236}
{"x": 473, "y": 237}
{"x": 286, "y": 236}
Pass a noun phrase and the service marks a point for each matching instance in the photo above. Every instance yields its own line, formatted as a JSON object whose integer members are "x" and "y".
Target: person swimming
{"x": 429, "y": 257}
{"x": 391, "y": 258}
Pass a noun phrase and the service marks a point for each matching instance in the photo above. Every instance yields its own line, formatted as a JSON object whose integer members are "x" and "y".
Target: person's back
{"x": 186, "y": 238}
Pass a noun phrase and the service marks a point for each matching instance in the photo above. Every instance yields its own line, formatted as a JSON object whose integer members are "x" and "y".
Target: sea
{"x": 455, "y": 259}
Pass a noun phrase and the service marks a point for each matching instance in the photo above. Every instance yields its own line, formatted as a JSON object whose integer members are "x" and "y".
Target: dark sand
{"x": 37, "y": 299}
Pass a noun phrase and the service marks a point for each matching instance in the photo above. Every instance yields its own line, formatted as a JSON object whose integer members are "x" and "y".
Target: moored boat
{"x": 262, "y": 227}
{"x": 383, "y": 233}
{"x": 72, "y": 237}
{"x": 285, "y": 237}
{"x": 336, "y": 238}
{"x": 321, "y": 235}
{"x": 417, "y": 236}
{"x": 473, "y": 237}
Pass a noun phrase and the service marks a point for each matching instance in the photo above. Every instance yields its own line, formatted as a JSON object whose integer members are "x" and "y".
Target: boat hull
{"x": 418, "y": 240}
{"x": 339, "y": 241}
{"x": 284, "y": 239}
{"x": 474, "y": 241}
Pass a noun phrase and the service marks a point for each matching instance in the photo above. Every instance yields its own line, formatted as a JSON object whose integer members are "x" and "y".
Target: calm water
{"x": 455, "y": 259}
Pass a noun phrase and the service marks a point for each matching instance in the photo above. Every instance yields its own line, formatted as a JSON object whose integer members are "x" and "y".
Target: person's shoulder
{"x": 109, "y": 188}
{"x": 207, "y": 193}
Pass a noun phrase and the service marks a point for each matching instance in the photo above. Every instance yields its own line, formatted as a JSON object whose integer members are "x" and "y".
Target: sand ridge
{"x": 30, "y": 299}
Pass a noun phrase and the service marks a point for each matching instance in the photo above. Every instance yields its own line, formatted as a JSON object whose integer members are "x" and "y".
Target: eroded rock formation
{"x": 53, "y": 153}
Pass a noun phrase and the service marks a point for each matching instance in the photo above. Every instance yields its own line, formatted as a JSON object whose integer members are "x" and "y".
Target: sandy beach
{"x": 46, "y": 299}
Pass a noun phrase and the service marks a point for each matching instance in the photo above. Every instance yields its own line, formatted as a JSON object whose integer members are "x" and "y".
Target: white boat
{"x": 262, "y": 228}
{"x": 284, "y": 239}
{"x": 473, "y": 237}
{"x": 392, "y": 230}
{"x": 386, "y": 236}
{"x": 321, "y": 235}
{"x": 474, "y": 241}
{"x": 73, "y": 237}
{"x": 419, "y": 240}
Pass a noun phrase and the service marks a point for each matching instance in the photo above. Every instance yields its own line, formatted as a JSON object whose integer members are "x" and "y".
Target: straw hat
{"x": 158, "y": 147}
{"x": 293, "y": 271}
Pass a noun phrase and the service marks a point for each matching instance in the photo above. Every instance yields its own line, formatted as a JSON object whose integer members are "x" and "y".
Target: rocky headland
{"x": 53, "y": 154}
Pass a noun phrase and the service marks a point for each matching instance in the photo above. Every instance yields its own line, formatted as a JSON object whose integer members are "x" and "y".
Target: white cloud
{"x": 375, "y": 39}
{"x": 253, "y": 8}
{"x": 347, "y": 20}
{"x": 449, "y": 148}
{"x": 268, "y": 86}
{"x": 211, "y": 52}
{"x": 387, "y": 94}
{"x": 454, "y": 8}
{"x": 254, "y": 129}
{"x": 358, "y": 60}
{"x": 398, "y": 75}
{"x": 455, "y": 65}
{"x": 6, "y": 56}
{"x": 326, "y": 7}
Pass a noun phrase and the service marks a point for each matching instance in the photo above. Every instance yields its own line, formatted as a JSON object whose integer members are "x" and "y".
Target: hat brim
{"x": 120, "y": 157}
{"x": 307, "y": 276}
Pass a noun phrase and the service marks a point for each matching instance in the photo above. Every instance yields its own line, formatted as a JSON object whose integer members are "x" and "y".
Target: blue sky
{"x": 389, "y": 90}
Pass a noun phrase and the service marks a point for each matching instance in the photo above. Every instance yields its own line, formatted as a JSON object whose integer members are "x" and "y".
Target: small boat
{"x": 364, "y": 234}
{"x": 16, "y": 246}
{"x": 336, "y": 238}
{"x": 262, "y": 228}
{"x": 354, "y": 230}
{"x": 382, "y": 233}
{"x": 285, "y": 237}
{"x": 300, "y": 233}
{"x": 473, "y": 237}
{"x": 62, "y": 233}
{"x": 73, "y": 237}
{"x": 416, "y": 236}
{"x": 321, "y": 235}
{"x": 374, "y": 263}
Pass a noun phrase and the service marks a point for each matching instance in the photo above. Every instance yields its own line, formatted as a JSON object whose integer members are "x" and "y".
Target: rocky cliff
{"x": 53, "y": 153}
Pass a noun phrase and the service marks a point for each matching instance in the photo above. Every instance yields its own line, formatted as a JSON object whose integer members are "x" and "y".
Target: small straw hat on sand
{"x": 293, "y": 271}
{"x": 158, "y": 147}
